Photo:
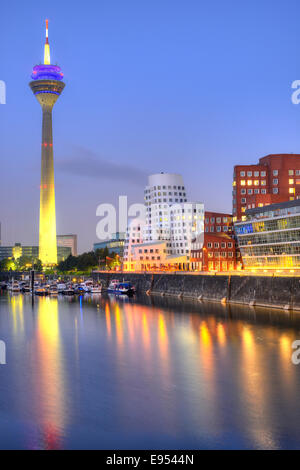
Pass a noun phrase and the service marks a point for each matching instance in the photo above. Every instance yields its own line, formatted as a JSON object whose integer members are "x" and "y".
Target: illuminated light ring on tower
{"x": 47, "y": 86}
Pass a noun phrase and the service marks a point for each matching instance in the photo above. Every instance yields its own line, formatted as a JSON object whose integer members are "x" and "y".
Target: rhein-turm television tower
{"x": 47, "y": 86}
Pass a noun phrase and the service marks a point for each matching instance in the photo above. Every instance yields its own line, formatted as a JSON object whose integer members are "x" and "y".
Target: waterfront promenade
{"x": 267, "y": 291}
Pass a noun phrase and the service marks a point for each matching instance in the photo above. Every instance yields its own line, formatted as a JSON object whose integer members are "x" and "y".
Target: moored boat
{"x": 41, "y": 290}
{"x": 26, "y": 288}
{"x": 122, "y": 288}
{"x": 68, "y": 290}
{"x": 61, "y": 287}
{"x": 96, "y": 289}
{"x": 15, "y": 287}
{"x": 112, "y": 285}
{"x": 53, "y": 289}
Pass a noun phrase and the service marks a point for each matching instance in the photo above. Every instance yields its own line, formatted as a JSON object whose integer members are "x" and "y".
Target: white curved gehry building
{"x": 163, "y": 190}
{"x": 170, "y": 218}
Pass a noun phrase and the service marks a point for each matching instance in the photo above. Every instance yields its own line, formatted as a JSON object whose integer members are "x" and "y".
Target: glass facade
{"x": 30, "y": 251}
{"x": 270, "y": 236}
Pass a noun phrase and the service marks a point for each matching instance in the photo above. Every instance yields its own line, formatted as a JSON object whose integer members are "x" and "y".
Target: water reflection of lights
{"x": 287, "y": 367}
{"x": 221, "y": 335}
{"x": 108, "y": 319}
{"x": 255, "y": 391}
{"x": 118, "y": 323}
{"x": 17, "y": 304}
{"x": 50, "y": 390}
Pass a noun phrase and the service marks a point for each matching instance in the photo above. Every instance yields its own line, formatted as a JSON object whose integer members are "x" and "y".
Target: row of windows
{"x": 218, "y": 229}
{"x": 218, "y": 220}
{"x": 216, "y": 254}
{"x": 271, "y": 250}
{"x": 151, "y": 250}
{"x": 270, "y": 238}
{"x": 157, "y": 201}
{"x": 253, "y": 183}
{"x": 155, "y": 188}
{"x": 272, "y": 262}
{"x": 217, "y": 245}
{"x": 268, "y": 225}
{"x": 223, "y": 254}
{"x": 158, "y": 194}
{"x": 253, "y": 191}
{"x": 254, "y": 173}
{"x": 263, "y": 173}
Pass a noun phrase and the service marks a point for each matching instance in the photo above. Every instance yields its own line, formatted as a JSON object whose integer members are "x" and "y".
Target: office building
{"x": 114, "y": 245}
{"x": 275, "y": 179}
{"x": 68, "y": 241}
{"x": 269, "y": 238}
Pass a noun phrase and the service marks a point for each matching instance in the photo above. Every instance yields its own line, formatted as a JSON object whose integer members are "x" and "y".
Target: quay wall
{"x": 268, "y": 291}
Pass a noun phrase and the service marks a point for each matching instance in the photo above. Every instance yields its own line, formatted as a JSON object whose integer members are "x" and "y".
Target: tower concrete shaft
{"x": 47, "y": 231}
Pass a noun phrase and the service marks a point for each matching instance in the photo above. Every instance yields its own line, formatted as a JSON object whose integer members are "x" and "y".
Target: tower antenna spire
{"x": 47, "y": 48}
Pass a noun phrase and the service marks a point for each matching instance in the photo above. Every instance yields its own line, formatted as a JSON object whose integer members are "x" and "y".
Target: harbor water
{"x": 102, "y": 372}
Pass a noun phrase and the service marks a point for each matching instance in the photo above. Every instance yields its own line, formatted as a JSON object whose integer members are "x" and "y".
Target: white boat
{"x": 61, "y": 288}
{"x": 113, "y": 284}
{"x": 15, "y": 287}
{"x": 96, "y": 289}
{"x": 53, "y": 289}
{"x": 87, "y": 286}
{"x": 124, "y": 287}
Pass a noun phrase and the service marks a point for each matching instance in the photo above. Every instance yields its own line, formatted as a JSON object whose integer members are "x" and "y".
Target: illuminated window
{"x": 260, "y": 204}
{"x": 243, "y": 209}
{"x": 263, "y": 182}
{"x": 249, "y": 182}
{"x": 291, "y": 181}
{"x": 292, "y": 190}
{"x": 234, "y": 183}
{"x": 291, "y": 172}
{"x": 243, "y": 182}
{"x": 256, "y": 182}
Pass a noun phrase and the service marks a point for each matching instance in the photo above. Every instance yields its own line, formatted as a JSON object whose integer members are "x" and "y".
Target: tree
{"x": 24, "y": 263}
{"x": 38, "y": 265}
{"x": 7, "y": 264}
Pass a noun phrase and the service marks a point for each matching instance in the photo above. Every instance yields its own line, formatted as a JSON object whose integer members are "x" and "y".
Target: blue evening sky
{"x": 185, "y": 86}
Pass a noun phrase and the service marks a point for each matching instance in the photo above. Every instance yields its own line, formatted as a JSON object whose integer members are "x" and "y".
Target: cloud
{"x": 87, "y": 163}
